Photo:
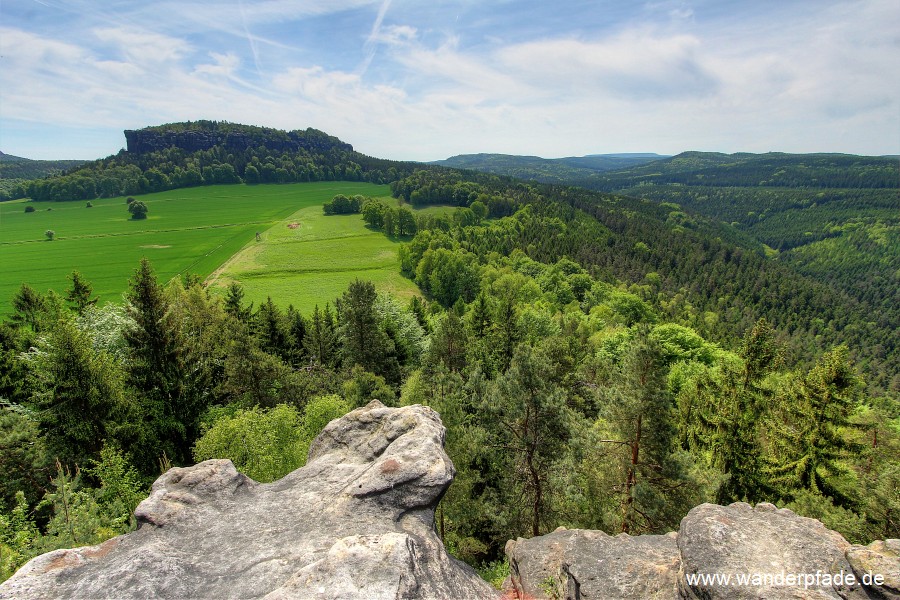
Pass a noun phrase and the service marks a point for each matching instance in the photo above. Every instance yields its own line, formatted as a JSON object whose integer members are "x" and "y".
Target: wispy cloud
{"x": 389, "y": 78}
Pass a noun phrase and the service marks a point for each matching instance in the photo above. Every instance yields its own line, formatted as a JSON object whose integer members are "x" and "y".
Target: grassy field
{"x": 314, "y": 261}
{"x": 196, "y": 230}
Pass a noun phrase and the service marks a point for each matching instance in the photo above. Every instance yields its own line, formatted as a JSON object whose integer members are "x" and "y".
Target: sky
{"x": 428, "y": 79}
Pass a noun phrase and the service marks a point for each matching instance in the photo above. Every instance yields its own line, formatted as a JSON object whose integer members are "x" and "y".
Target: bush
{"x": 50, "y": 234}
{"x": 29, "y": 209}
{"x": 89, "y": 205}
{"x": 138, "y": 210}
{"x": 129, "y": 200}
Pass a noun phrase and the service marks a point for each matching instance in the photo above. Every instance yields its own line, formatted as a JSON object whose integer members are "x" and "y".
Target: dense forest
{"x": 547, "y": 170}
{"x": 599, "y": 361}
{"x": 15, "y": 172}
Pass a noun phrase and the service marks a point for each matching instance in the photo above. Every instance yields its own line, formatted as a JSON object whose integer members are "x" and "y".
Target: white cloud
{"x": 820, "y": 82}
{"x": 224, "y": 65}
{"x": 636, "y": 64}
{"x": 140, "y": 46}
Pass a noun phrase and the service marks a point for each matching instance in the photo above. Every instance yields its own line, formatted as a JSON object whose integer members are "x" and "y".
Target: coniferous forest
{"x": 599, "y": 360}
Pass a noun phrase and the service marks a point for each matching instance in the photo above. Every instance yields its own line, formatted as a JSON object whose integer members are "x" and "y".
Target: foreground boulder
{"x": 734, "y": 552}
{"x": 355, "y": 522}
{"x": 578, "y": 563}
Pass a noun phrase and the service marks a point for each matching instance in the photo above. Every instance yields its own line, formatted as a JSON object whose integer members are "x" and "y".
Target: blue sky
{"x": 424, "y": 80}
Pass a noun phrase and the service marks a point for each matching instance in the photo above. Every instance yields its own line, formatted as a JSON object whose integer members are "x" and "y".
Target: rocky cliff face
{"x": 730, "y": 552}
{"x": 355, "y": 522}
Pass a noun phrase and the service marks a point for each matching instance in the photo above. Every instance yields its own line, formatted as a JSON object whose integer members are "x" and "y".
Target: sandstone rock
{"x": 741, "y": 541}
{"x": 878, "y": 558}
{"x": 586, "y": 564}
{"x": 355, "y": 522}
{"x": 714, "y": 550}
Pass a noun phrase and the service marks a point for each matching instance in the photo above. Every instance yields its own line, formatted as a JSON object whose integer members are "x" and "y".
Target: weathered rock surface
{"x": 355, "y": 522}
{"x": 578, "y": 563}
{"x": 881, "y": 557}
{"x": 733, "y": 552}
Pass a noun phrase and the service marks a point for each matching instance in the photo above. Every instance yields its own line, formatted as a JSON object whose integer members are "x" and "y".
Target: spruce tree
{"x": 813, "y": 442}
{"x": 79, "y": 295}
{"x": 364, "y": 341}
{"x": 733, "y": 421}
{"x": 234, "y": 303}
{"x": 79, "y": 391}
{"x": 156, "y": 369}
{"x": 320, "y": 338}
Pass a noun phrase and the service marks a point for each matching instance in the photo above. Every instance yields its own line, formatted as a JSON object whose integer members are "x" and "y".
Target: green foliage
{"x": 18, "y": 534}
{"x": 79, "y": 295}
{"x": 50, "y": 234}
{"x": 494, "y": 572}
{"x": 157, "y": 371}
{"x": 264, "y": 444}
{"x": 78, "y": 390}
{"x": 527, "y": 420}
{"x": 170, "y": 156}
{"x": 364, "y": 339}
{"x": 320, "y": 411}
{"x": 813, "y": 444}
{"x": 637, "y": 413}
{"x": 582, "y": 349}
{"x": 79, "y": 515}
{"x": 138, "y": 210}
{"x": 342, "y": 205}
{"x": 361, "y": 387}
{"x": 267, "y": 444}
{"x": 24, "y": 461}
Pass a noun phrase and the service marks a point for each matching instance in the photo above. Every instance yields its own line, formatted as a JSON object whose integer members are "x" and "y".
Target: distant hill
{"x": 10, "y": 158}
{"x": 547, "y": 170}
{"x": 188, "y": 154}
{"x": 773, "y": 169}
{"x": 16, "y": 171}
{"x": 612, "y": 172}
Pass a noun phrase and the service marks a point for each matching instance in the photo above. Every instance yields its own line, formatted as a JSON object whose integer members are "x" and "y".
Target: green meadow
{"x": 310, "y": 258}
{"x": 198, "y": 230}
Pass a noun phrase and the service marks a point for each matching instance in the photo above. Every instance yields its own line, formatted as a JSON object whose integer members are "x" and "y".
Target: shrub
{"x": 29, "y": 209}
{"x": 50, "y": 234}
{"x": 138, "y": 210}
{"x": 89, "y": 205}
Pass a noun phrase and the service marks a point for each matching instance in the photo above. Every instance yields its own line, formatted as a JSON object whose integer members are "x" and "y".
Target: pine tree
{"x": 528, "y": 422}
{"x": 639, "y": 411}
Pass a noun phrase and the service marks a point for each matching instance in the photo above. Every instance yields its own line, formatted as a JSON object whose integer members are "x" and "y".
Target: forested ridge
{"x": 600, "y": 361}
{"x": 15, "y": 172}
{"x": 198, "y": 153}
